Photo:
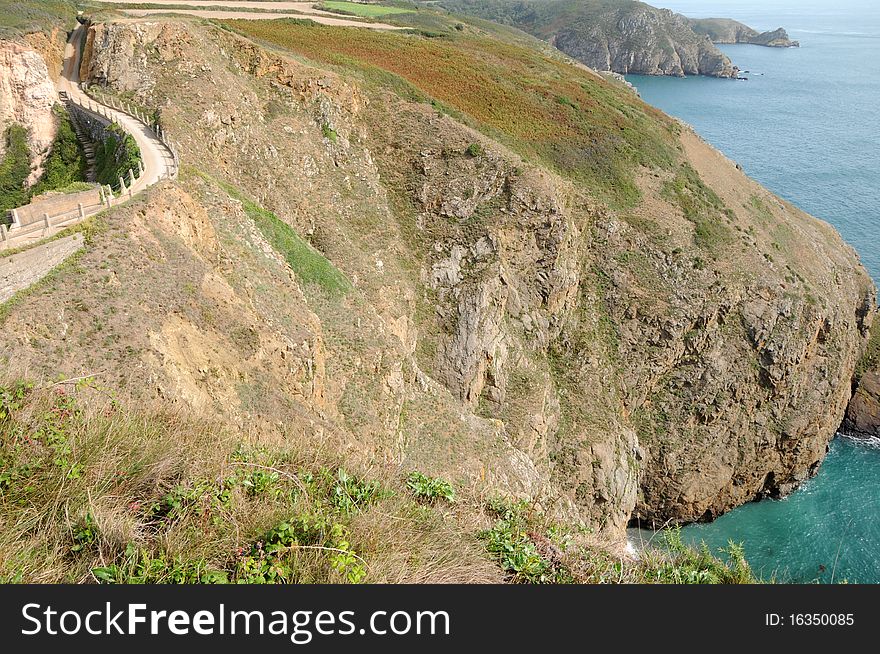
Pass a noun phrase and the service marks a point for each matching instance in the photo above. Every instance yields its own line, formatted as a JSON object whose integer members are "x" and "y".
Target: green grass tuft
{"x": 310, "y": 266}
{"x": 871, "y": 358}
{"x": 430, "y": 489}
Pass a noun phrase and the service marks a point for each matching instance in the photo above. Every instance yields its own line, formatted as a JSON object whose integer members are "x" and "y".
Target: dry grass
{"x": 91, "y": 490}
{"x": 420, "y": 545}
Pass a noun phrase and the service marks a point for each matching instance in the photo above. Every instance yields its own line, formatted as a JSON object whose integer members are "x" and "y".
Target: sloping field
{"x": 583, "y": 126}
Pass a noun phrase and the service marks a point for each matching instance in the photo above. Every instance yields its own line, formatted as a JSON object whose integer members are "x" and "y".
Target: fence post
{"x": 82, "y": 212}
{"x": 47, "y": 226}
{"x": 121, "y": 187}
{"x": 4, "y": 234}
{"x": 131, "y": 177}
{"x": 140, "y": 167}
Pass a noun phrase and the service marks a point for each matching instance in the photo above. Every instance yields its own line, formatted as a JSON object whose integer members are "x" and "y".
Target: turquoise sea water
{"x": 806, "y": 125}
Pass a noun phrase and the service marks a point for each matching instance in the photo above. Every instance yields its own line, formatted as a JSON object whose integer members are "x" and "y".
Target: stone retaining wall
{"x": 56, "y": 205}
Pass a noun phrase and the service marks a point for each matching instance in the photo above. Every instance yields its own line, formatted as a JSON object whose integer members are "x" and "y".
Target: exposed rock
{"x": 644, "y": 41}
{"x": 725, "y": 30}
{"x": 27, "y": 95}
{"x": 863, "y": 414}
{"x": 623, "y": 37}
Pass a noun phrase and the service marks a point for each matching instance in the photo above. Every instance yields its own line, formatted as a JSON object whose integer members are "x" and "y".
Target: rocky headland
{"x": 624, "y": 36}
{"x": 728, "y": 31}
{"x": 863, "y": 414}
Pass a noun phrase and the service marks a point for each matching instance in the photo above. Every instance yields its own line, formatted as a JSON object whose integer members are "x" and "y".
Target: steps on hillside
{"x": 85, "y": 140}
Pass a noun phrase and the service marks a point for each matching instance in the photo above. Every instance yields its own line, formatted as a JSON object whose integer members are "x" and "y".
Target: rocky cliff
{"x": 725, "y": 30}
{"x": 27, "y": 95}
{"x": 665, "y": 44}
{"x": 460, "y": 308}
{"x": 863, "y": 413}
{"x": 610, "y": 35}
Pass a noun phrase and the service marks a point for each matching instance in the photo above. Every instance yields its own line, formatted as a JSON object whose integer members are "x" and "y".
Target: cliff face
{"x": 27, "y": 94}
{"x": 610, "y": 35}
{"x": 863, "y": 413}
{"x": 725, "y": 30}
{"x": 642, "y": 40}
{"x": 499, "y": 326}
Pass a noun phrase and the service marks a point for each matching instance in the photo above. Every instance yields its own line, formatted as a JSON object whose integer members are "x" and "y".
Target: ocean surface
{"x": 806, "y": 124}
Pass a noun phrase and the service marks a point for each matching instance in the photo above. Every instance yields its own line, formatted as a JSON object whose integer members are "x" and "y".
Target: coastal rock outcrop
{"x": 645, "y": 41}
{"x": 623, "y": 37}
{"x": 725, "y": 30}
{"x": 863, "y": 413}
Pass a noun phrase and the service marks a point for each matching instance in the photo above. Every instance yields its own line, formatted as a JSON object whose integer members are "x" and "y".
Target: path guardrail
{"x": 96, "y": 94}
{"x": 55, "y": 218}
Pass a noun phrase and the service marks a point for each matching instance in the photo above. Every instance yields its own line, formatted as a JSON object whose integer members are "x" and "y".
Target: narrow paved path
{"x": 157, "y": 158}
{"x": 18, "y": 271}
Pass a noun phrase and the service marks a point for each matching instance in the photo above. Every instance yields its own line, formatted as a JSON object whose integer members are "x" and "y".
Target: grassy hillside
{"x": 624, "y": 36}
{"x": 571, "y": 120}
{"x": 540, "y": 17}
{"x": 23, "y": 16}
{"x": 96, "y": 492}
{"x": 364, "y": 10}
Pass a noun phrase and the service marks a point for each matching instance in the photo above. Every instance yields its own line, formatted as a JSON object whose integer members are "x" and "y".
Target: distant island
{"x": 625, "y": 36}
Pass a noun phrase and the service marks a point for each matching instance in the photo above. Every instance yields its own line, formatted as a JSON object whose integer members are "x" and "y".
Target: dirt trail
{"x": 298, "y": 7}
{"x": 269, "y": 11}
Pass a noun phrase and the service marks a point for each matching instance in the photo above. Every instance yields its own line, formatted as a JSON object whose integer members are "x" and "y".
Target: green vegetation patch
{"x": 66, "y": 164}
{"x": 429, "y": 489}
{"x": 310, "y": 266}
{"x": 14, "y": 169}
{"x": 119, "y": 497}
{"x": 118, "y": 154}
{"x": 511, "y": 541}
{"x": 700, "y": 205}
{"x": 24, "y": 16}
{"x": 363, "y": 10}
{"x": 599, "y": 135}
{"x": 532, "y": 550}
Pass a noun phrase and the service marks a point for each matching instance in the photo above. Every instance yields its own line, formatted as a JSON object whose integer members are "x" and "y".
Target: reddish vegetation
{"x": 572, "y": 119}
